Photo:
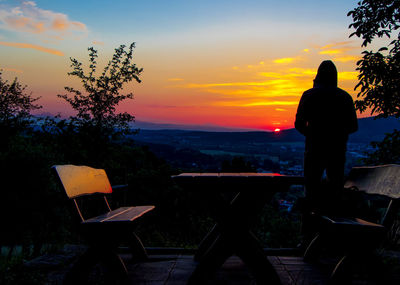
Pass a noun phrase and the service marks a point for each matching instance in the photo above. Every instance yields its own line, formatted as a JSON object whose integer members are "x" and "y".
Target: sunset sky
{"x": 237, "y": 64}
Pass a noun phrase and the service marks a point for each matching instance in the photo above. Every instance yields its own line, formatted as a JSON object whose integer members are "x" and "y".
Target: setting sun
{"x": 277, "y": 130}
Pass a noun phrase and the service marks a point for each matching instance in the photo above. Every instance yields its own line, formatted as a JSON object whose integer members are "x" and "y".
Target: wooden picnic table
{"x": 231, "y": 234}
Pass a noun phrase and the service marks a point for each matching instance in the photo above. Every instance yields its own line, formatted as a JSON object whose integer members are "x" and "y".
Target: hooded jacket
{"x": 326, "y": 114}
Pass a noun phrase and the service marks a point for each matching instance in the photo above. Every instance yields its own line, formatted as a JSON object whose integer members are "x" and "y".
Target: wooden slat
{"x": 353, "y": 222}
{"x": 188, "y": 174}
{"x": 208, "y": 174}
{"x": 100, "y": 218}
{"x": 132, "y": 214}
{"x": 123, "y": 214}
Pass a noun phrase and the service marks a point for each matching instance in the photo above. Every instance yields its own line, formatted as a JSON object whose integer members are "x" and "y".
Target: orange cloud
{"x": 338, "y": 44}
{"x": 98, "y": 43}
{"x": 17, "y": 22}
{"x": 348, "y": 75}
{"x": 270, "y": 74}
{"x": 29, "y": 18}
{"x": 31, "y": 46}
{"x": 276, "y": 86}
{"x": 78, "y": 25}
{"x": 270, "y": 90}
{"x": 338, "y": 48}
{"x": 346, "y": 58}
{"x": 285, "y": 60}
{"x": 12, "y": 69}
{"x": 290, "y": 73}
{"x": 331, "y": 51}
{"x": 257, "y": 104}
{"x": 175, "y": 79}
{"x": 60, "y": 24}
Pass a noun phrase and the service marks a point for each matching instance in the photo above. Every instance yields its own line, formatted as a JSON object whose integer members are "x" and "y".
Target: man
{"x": 325, "y": 116}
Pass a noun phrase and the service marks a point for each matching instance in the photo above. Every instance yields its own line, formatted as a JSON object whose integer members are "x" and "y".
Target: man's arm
{"x": 352, "y": 121}
{"x": 301, "y": 122}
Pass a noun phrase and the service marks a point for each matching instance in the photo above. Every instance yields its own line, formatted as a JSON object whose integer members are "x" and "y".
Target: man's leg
{"x": 335, "y": 179}
{"x": 313, "y": 171}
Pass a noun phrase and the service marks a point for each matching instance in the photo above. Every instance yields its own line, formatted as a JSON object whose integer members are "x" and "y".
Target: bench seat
{"x": 120, "y": 215}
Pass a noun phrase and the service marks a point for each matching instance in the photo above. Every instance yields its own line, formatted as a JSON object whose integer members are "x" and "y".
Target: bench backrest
{"x": 79, "y": 181}
{"x": 82, "y": 180}
{"x": 380, "y": 180}
{"x": 383, "y": 180}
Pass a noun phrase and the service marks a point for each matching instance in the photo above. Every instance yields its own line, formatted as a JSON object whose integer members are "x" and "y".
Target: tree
{"x": 379, "y": 71}
{"x": 15, "y": 107}
{"x": 96, "y": 104}
{"x": 24, "y": 173}
{"x": 379, "y": 78}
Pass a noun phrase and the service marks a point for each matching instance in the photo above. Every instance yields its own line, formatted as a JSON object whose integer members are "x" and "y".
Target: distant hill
{"x": 369, "y": 130}
{"x": 207, "y": 128}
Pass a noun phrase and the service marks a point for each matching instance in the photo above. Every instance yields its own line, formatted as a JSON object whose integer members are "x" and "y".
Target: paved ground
{"x": 175, "y": 269}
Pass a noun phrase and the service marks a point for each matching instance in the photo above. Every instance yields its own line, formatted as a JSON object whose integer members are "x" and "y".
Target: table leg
{"x": 231, "y": 235}
{"x": 252, "y": 254}
{"x": 212, "y": 260}
{"x": 222, "y": 208}
{"x": 207, "y": 242}
{"x": 246, "y": 246}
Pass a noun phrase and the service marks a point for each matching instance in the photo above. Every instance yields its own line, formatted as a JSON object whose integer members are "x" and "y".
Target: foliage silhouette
{"x": 24, "y": 172}
{"x": 379, "y": 78}
{"x": 15, "y": 108}
{"x": 96, "y": 104}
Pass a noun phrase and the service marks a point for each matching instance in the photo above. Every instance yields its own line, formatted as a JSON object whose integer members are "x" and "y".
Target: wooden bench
{"x": 103, "y": 232}
{"x": 355, "y": 238}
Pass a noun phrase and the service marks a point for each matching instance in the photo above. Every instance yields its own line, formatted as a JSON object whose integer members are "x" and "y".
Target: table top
{"x": 226, "y": 174}
{"x": 233, "y": 178}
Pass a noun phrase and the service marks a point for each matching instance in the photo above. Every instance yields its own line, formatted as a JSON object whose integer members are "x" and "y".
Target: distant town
{"x": 281, "y": 152}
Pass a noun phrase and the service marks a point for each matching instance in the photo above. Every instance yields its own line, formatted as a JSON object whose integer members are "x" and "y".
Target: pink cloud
{"x": 31, "y": 46}
{"x": 99, "y": 43}
{"x": 29, "y": 18}
{"x": 15, "y": 70}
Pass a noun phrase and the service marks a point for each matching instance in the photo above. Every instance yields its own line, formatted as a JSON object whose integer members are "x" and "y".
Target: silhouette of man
{"x": 325, "y": 116}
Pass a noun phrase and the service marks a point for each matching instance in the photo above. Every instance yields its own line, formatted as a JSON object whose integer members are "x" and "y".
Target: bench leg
{"x": 138, "y": 251}
{"x": 341, "y": 272}
{"x": 311, "y": 252}
{"x": 80, "y": 271}
{"x": 117, "y": 267}
{"x": 362, "y": 262}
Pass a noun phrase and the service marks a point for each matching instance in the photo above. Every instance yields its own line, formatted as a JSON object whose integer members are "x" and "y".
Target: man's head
{"x": 326, "y": 75}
